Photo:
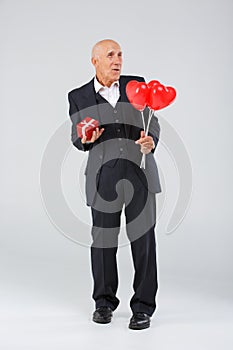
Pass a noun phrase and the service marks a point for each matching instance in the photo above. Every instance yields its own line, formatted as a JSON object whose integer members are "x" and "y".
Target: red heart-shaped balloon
{"x": 153, "y": 83}
{"x": 137, "y": 93}
{"x": 160, "y": 96}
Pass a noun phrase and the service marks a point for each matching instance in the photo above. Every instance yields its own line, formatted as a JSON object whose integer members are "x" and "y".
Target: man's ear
{"x": 93, "y": 61}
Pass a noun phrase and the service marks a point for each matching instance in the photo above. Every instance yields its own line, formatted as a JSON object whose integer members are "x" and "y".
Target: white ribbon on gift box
{"x": 86, "y": 124}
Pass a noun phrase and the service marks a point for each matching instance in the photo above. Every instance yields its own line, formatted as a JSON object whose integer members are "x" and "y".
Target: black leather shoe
{"x": 102, "y": 314}
{"x": 139, "y": 320}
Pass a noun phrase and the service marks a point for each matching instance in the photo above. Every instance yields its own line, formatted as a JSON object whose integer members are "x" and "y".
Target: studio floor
{"x": 186, "y": 318}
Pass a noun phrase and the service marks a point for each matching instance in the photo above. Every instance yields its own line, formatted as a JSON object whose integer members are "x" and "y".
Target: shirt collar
{"x": 99, "y": 86}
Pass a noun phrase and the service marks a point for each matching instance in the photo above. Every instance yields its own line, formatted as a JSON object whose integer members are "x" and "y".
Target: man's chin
{"x": 116, "y": 75}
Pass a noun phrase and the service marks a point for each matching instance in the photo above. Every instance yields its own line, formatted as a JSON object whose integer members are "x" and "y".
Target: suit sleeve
{"x": 154, "y": 130}
{"x": 75, "y": 118}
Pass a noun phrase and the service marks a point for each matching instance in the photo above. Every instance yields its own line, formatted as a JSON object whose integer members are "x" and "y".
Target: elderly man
{"x": 114, "y": 179}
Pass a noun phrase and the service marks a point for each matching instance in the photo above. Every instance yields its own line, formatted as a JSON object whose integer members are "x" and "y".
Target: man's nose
{"x": 117, "y": 60}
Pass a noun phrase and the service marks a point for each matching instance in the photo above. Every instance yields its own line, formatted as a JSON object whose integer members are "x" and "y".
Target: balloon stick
{"x": 151, "y": 112}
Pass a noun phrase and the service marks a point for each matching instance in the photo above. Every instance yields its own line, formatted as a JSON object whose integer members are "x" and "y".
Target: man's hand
{"x": 146, "y": 143}
{"x": 95, "y": 135}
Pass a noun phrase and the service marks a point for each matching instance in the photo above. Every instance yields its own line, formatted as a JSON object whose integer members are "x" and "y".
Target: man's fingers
{"x": 145, "y": 150}
{"x": 98, "y": 133}
{"x": 147, "y": 145}
{"x": 95, "y": 135}
{"x": 93, "y": 138}
{"x": 84, "y": 139}
{"x": 141, "y": 137}
{"x": 143, "y": 140}
{"x": 146, "y": 139}
{"x": 142, "y": 133}
{"x": 101, "y": 131}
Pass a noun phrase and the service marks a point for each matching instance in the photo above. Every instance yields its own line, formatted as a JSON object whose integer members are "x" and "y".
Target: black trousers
{"x": 140, "y": 213}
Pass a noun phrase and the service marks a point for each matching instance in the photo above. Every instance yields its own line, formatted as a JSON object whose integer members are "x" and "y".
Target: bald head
{"x": 101, "y": 45}
{"x": 107, "y": 60}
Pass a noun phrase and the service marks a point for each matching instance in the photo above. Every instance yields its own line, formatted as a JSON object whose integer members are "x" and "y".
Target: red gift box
{"x": 86, "y": 127}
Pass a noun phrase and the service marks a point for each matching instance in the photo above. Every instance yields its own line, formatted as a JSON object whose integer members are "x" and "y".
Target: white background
{"x": 46, "y": 281}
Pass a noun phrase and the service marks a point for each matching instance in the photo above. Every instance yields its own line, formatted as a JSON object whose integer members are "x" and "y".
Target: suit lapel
{"x": 123, "y": 96}
{"x": 89, "y": 94}
{"x": 89, "y": 101}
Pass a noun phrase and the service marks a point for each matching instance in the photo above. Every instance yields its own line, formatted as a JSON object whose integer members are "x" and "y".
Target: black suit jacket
{"x": 83, "y": 103}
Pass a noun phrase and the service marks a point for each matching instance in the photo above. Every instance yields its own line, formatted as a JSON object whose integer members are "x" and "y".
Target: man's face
{"x": 108, "y": 62}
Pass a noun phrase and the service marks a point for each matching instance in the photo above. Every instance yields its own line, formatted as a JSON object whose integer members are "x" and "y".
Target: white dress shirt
{"x": 111, "y": 94}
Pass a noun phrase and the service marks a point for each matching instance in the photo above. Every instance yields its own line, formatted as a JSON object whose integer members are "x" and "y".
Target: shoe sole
{"x": 147, "y": 325}
{"x": 102, "y": 321}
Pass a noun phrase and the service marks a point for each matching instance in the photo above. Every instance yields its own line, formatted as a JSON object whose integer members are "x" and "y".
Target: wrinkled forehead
{"x": 110, "y": 46}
